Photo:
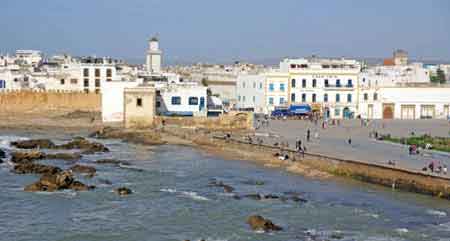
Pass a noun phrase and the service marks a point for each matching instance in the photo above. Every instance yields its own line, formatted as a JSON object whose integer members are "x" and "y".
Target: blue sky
{"x": 223, "y": 31}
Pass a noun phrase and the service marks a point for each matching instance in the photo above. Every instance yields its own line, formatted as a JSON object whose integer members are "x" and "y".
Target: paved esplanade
{"x": 333, "y": 141}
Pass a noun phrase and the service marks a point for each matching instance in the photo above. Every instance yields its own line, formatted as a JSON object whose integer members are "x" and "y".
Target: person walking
{"x": 308, "y": 135}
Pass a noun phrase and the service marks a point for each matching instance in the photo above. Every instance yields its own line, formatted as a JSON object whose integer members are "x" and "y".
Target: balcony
{"x": 347, "y": 86}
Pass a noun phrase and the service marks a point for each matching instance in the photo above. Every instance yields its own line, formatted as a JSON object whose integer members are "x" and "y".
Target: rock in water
{"x": 35, "y": 168}
{"x": 2, "y": 154}
{"x": 58, "y": 181}
{"x": 78, "y": 186}
{"x": 83, "y": 169}
{"x": 253, "y": 196}
{"x": 258, "y": 222}
{"x": 64, "y": 156}
{"x": 112, "y": 161}
{"x": 18, "y": 157}
{"x": 85, "y": 145}
{"x": 123, "y": 191}
{"x": 34, "y": 144}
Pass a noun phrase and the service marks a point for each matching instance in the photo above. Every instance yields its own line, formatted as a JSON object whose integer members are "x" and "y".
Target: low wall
{"x": 393, "y": 177}
{"x": 231, "y": 121}
{"x": 23, "y": 101}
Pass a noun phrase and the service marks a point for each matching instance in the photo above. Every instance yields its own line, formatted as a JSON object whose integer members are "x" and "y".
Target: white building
{"x": 425, "y": 102}
{"x": 28, "y": 57}
{"x": 184, "y": 99}
{"x": 250, "y": 90}
{"x": 394, "y": 75}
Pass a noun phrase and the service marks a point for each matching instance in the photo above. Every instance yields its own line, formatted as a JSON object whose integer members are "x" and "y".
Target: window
{"x": 97, "y": 83}
{"x": 293, "y": 97}
{"x": 139, "y": 102}
{"x": 325, "y": 98}
{"x": 338, "y": 83}
{"x": 304, "y": 83}
{"x": 97, "y": 72}
{"x": 254, "y": 99}
{"x": 281, "y": 87}
{"x": 86, "y": 72}
{"x": 349, "y": 98}
{"x": 314, "y": 98}
{"x": 254, "y": 85}
{"x": 366, "y": 96}
{"x": 239, "y": 98}
{"x": 271, "y": 87}
{"x": 109, "y": 73}
{"x": 326, "y": 83}
{"x": 338, "y": 98}
{"x": 63, "y": 81}
{"x": 74, "y": 81}
{"x": 314, "y": 83}
{"x": 243, "y": 84}
{"x": 260, "y": 85}
{"x": 349, "y": 83}
{"x": 303, "y": 97}
{"x": 281, "y": 100}
{"x": 193, "y": 100}
{"x": 337, "y": 112}
{"x": 86, "y": 83}
{"x": 375, "y": 96}
{"x": 176, "y": 100}
{"x": 270, "y": 100}
{"x": 293, "y": 83}
{"x": 243, "y": 98}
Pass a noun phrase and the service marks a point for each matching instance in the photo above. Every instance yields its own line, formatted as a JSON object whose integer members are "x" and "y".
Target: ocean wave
{"x": 195, "y": 196}
{"x": 6, "y": 140}
{"x": 401, "y": 230}
{"x": 444, "y": 226}
{"x": 192, "y": 195}
{"x": 169, "y": 190}
{"x": 436, "y": 213}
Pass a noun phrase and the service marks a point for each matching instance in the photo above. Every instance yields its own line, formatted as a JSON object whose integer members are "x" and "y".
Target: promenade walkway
{"x": 333, "y": 141}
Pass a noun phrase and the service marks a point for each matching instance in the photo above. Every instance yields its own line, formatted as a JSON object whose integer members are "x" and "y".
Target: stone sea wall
{"x": 388, "y": 176}
{"x": 23, "y": 101}
{"x": 231, "y": 121}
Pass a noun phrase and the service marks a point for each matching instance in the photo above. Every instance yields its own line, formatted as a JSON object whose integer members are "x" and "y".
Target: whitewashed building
{"x": 184, "y": 99}
{"x": 426, "y": 102}
{"x": 329, "y": 86}
{"x": 250, "y": 90}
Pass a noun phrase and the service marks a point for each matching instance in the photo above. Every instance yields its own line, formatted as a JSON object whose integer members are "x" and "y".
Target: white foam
{"x": 401, "y": 230}
{"x": 192, "y": 195}
{"x": 195, "y": 196}
{"x": 5, "y": 141}
{"x": 169, "y": 190}
{"x": 436, "y": 213}
{"x": 444, "y": 226}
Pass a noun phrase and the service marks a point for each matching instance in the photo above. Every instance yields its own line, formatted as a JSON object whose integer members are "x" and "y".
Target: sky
{"x": 228, "y": 30}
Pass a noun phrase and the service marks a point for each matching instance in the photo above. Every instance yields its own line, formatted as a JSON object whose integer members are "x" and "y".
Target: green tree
{"x": 204, "y": 82}
{"x": 440, "y": 76}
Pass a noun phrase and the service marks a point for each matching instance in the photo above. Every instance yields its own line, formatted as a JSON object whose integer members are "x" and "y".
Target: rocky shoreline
{"x": 27, "y": 155}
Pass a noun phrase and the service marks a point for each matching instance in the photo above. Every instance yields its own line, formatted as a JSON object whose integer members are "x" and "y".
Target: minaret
{"x": 154, "y": 54}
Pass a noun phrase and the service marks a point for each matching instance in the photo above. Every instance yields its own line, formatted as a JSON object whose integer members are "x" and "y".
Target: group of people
{"x": 436, "y": 167}
{"x": 262, "y": 123}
